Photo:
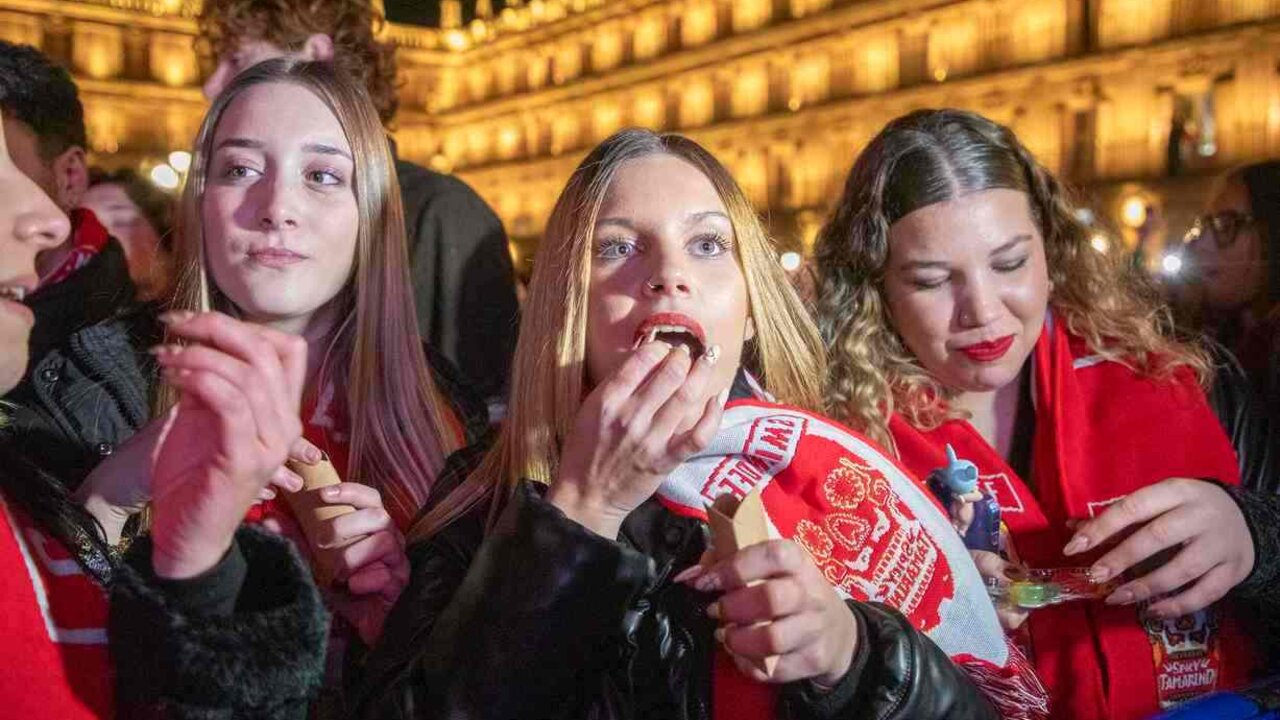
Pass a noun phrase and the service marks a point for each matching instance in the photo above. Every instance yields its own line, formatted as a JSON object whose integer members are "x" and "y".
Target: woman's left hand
{"x": 374, "y": 565}
{"x": 791, "y": 612}
{"x": 1216, "y": 548}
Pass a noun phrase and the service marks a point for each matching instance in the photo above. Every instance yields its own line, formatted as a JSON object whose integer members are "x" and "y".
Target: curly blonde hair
{"x": 352, "y": 24}
{"x": 932, "y": 156}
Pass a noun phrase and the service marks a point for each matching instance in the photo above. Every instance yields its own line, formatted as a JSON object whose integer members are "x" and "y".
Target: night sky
{"x": 427, "y": 12}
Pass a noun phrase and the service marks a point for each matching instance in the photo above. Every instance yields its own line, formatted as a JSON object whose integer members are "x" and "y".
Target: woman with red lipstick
{"x": 962, "y": 305}
{"x": 565, "y": 570}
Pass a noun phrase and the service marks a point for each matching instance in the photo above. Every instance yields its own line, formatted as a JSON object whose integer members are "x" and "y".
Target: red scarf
{"x": 874, "y": 532}
{"x": 53, "y": 626}
{"x": 324, "y": 425}
{"x": 1102, "y": 431}
{"x": 327, "y": 425}
{"x": 88, "y": 237}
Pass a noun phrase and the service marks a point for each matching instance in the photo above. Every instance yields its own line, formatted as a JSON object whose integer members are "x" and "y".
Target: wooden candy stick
{"x": 736, "y": 524}
{"x": 311, "y": 512}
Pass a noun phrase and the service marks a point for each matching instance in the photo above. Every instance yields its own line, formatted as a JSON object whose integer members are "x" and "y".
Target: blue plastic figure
{"x": 975, "y": 514}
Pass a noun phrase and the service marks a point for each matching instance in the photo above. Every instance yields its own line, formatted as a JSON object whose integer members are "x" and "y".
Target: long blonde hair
{"x": 402, "y": 428}
{"x": 548, "y": 381}
{"x": 932, "y": 156}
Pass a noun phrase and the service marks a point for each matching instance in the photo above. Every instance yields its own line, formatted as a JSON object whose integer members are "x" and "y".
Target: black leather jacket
{"x": 1247, "y": 420}
{"x": 1250, "y": 422}
{"x": 541, "y": 618}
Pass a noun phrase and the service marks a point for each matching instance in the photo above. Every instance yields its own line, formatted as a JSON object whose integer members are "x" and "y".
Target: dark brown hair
{"x": 933, "y": 156}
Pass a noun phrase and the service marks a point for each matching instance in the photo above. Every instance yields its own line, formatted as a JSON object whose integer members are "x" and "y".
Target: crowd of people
{"x": 519, "y": 519}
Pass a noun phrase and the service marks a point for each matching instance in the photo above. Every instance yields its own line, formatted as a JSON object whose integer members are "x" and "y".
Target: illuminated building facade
{"x": 1130, "y": 98}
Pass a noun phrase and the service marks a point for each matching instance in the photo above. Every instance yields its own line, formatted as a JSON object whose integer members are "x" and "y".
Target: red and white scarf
{"x": 1101, "y": 432}
{"x": 88, "y": 238}
{"x": 53, "y": 628}
{"x": 873, "y": 530}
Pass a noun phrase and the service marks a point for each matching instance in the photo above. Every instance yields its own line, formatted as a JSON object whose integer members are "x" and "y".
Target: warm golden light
{"x": 98, "y": 49}
{"x": 650, "y": 37}
{"x": 606, "y": 49}
{"x": 1125, "y": 22}
{"x": 751, "y": 14}
{"x": 508, "y": 142}
{"x": 810, "y": 80}
{"x": 564, "y": 132}
{"x": 875, "y": 63}
{"x": 1133, "y": 212}
{"x": 608, "y": 118}
{"x": 697, "y": 105}
{"x": 568, "y": 62}
{"x": 21, "y": 29}
{"x": 698, "y": 24}
{"x": 750, "y": 94}
{"x": 649, "y": 110}
{"x": 953, "y": 48}
{"x": 1039, "y": 30}
{"x": 510, "y": 95}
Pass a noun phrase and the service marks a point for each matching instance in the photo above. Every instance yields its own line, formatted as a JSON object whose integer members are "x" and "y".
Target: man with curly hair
{"x": 463, "y": 280}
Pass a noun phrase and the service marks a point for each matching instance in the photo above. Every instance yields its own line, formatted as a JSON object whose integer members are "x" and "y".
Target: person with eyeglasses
{"x": 1235, "y": 253}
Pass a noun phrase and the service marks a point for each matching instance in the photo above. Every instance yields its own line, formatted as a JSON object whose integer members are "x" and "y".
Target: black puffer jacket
{"x": 89, "y": 378}
{"x": 541, "y": 618}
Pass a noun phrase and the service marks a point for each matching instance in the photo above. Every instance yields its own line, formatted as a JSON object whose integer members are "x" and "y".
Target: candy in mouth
{"x": 675, "y": 329}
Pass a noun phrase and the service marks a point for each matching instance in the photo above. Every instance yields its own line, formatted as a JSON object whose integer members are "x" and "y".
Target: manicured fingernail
{"x": 683, "y": 348}
{"x": 1079, "y": 543}
{"x": 707, "y": 583}
{"x": 1100, "y": 573}
{"x": 719, "y": 635}
{"x": 329, "y": 493}
{"x": 1120, "y": 597}
{"x": 313, "y": 455}
{"x": 712, "y": 354}
{"x": 176, "y": 317}
{"x": 713, "y": 611}
{"x": 689, "y": 573}
{"x": 724, "y": 396}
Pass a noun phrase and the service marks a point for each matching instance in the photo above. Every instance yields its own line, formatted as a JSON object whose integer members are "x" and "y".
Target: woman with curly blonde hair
{"x": 964, "y": 308}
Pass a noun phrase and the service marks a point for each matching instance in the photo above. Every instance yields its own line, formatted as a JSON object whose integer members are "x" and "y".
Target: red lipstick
{"x": 989, "y": 351}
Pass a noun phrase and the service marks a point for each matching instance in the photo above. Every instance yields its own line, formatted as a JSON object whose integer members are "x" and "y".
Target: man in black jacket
{"x": 204, "y": 621}
{"x": 86, "y": 390}
{"x": 460, "y": 266}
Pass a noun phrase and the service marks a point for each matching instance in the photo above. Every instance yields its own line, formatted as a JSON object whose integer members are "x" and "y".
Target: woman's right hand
{"x": 120, "y": 486}
{"x": 235, "y": 424}
{"x": 632, "y": 431}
